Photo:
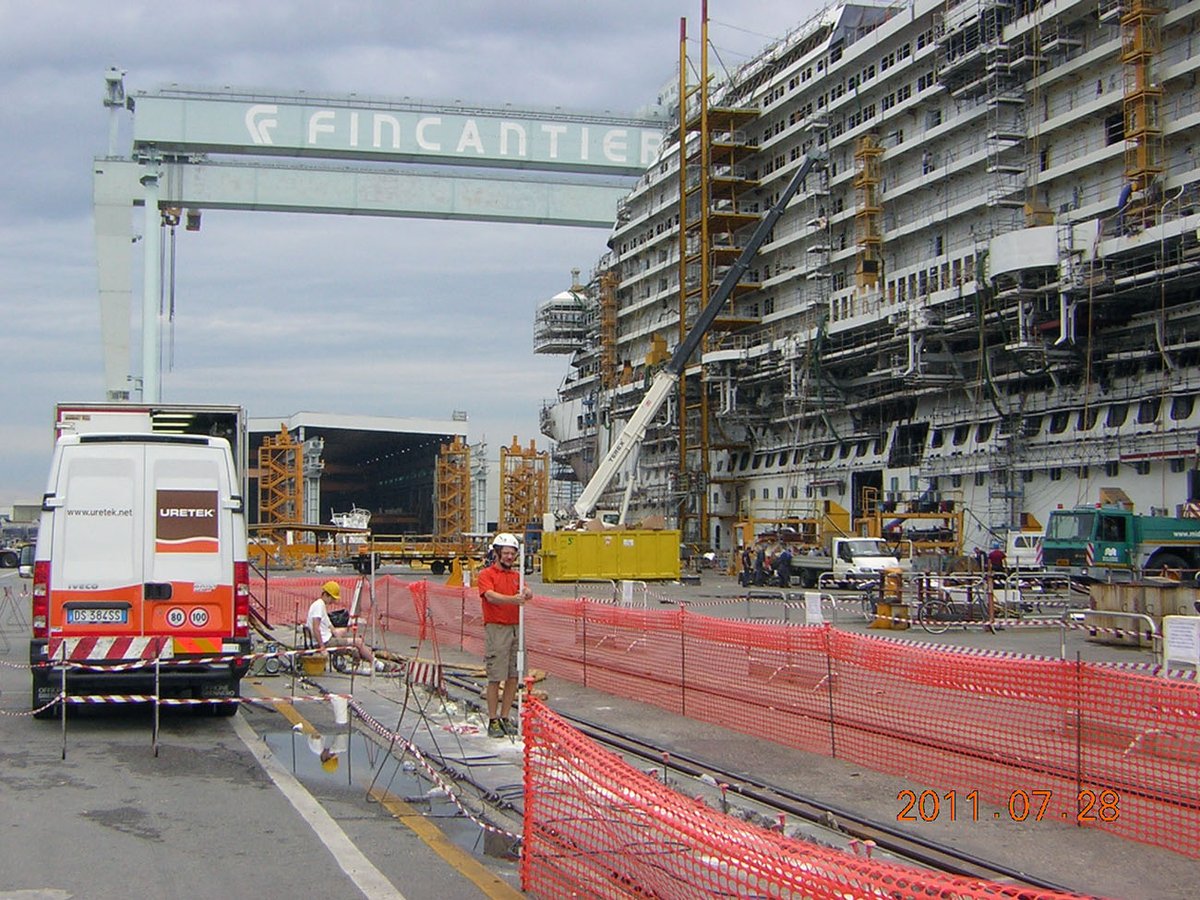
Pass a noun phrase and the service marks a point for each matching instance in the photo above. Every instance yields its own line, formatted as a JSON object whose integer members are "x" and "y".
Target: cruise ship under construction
{"x": 984, "y": 306}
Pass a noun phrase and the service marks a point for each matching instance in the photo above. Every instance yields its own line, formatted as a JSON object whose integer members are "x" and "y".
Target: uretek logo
{"x": 187, "y": 522}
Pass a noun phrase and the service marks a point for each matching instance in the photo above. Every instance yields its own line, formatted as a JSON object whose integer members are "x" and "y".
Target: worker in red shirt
{"x": 996, "y": 559}
{"x": 502, "y": 596}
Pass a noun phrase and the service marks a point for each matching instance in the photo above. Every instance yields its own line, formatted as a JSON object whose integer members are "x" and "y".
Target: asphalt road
{"x": 202, "y": 818}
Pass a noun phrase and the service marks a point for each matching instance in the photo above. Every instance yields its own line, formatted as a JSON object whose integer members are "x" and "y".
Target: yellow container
{"x": 314, "y": 664}
{"x": 636, "y": 555}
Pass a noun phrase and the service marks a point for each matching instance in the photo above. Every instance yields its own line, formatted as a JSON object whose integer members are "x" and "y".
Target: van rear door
{"x": 188, "y": 560}
{"x": 97, "y": 585}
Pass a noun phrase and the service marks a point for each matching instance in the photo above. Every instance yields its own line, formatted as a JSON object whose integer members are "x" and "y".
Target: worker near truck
{"x": 502, "y": 596}
{"x": 760, "y": 566}
{"x": 325, "y": 634}
{"x": 783, "y": 567}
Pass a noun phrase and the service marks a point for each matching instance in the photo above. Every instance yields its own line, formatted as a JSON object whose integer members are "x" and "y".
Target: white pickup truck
{"x": 851, "y": 560}
{"x": 1023, "y": 550}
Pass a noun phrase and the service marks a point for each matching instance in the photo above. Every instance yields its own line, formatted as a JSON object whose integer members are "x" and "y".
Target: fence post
{"x": 1078, "y": 736}
{"x": 583, "y": 615}
{"x": 462, "y": 620}
{"x": 157, "y": 695}
{"x": 62, "y": 701}
{"x": 682, "y": 662}
{"x": 829, "y": 689}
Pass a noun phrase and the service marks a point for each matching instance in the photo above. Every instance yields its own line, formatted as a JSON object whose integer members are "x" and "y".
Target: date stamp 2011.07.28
{"x": 1023, "y": 806}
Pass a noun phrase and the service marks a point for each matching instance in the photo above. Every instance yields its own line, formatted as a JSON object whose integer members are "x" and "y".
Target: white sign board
{"x": 1181, "y": 641}
{"x": 812, "y": 608}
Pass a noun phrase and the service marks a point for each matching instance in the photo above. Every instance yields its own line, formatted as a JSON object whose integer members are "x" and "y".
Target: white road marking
{"x": 373, "y": 883}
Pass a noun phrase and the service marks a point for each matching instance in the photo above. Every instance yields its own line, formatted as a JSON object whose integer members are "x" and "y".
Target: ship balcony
{"x": 729, "y": 189}
{"x": 1060, "y": 40}
{"x": 720, "y": 256}
{"x": 961, "y": 64}
{"x": 722, "y": 119}
{"x": 733, "y": 148}
{"x": 1006, "y": 98}
{"x": 731, "y": 220}
{"x": 1006, "y": 134}
{"x": 1002, "y": 200}
{"x": 998, "y": 168}
{"x": 732, "y": 323}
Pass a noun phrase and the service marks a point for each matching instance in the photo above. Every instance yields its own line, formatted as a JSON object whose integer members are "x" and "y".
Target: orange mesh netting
{"x": 594, "y": 826}
{"x": 1042, "y": 739}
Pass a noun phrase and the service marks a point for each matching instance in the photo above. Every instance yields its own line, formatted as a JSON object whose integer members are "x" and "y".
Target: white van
{"x": 141, "y": 556}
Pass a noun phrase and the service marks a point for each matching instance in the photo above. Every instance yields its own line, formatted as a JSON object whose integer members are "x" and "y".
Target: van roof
{"x": 138, "y": 438}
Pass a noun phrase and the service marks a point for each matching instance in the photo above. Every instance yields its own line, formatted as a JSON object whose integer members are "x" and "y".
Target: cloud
{"x": 289, "y": 312}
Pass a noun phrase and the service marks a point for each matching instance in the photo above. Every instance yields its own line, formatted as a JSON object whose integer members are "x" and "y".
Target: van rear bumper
{"x": 176, "y": 677}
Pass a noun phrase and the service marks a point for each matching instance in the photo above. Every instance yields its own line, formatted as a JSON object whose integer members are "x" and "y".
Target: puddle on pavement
{"x": 350, "y": 761}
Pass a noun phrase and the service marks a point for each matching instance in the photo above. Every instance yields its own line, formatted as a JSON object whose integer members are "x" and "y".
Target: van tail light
{"x": 41, "y": 599}
{"x": 241, "y": 599}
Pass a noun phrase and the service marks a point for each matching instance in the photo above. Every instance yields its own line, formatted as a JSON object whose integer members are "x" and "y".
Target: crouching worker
{"x": 326, "y": 635}
{"x": 502, "y": 596}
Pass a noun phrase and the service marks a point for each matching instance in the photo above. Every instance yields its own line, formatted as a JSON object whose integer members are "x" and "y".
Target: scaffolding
{"x": 715, "y": 204}
{"x": 524, "y": 487}
{"x": 280, "y": 482}
{"x": 608, "y": 329}
{"x": 452, "y": 516}
{"x": 1141, "y": 45}
{"x": 868, "y": 233}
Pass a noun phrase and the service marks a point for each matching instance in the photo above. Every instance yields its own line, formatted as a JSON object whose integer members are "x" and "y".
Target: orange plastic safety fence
{"x": 595, "y": 826}
{"x": 287, "y": 599}
{"x": 1042, "y": 739}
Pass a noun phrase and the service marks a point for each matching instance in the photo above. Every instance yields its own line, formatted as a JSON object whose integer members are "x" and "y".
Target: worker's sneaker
{"x": 496, "y": 728}
{"x": 510, "y": 727}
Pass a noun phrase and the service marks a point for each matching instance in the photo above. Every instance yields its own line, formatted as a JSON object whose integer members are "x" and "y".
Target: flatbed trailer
{"x": 438, "y": 554}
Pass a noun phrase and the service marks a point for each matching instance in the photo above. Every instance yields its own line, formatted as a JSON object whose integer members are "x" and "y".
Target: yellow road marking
{"x": 480, "y": 875}
{"x": 464, "y": 863}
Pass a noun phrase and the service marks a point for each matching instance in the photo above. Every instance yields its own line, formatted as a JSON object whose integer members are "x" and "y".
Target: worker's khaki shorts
{"x": 500, "y": 651}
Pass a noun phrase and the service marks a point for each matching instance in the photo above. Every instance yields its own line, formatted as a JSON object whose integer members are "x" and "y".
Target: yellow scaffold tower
{"x": 453, "y": 490}
{"x": 280, "y": 481}
{"x": 1141, "y": 44}
{"x": 868, "y": 213}
{"x": 717, "y": 201}
{"x": 524, "y": 486}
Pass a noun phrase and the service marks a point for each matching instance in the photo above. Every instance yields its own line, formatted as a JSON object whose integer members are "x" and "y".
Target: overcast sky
{"x": 282, "y": 313}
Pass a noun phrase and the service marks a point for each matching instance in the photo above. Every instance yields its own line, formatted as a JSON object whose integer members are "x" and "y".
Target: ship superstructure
{"x": 983, "y": 307}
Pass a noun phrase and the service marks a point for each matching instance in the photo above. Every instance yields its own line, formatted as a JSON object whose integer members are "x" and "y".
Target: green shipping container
{"x": 610, "y": 555}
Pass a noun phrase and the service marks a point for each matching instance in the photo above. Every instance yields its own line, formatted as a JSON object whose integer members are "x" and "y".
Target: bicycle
{"x": 937, "y": 612}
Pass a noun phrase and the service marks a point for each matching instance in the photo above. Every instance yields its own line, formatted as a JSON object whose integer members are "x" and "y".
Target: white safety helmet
{"x": 504, "y": 539}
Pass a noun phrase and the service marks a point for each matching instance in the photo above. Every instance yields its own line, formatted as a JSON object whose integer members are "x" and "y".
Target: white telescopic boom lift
{"x": 667, "y": 379}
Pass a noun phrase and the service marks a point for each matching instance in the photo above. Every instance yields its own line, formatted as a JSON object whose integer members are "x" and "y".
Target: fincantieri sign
{"x": 424, "y": 133}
